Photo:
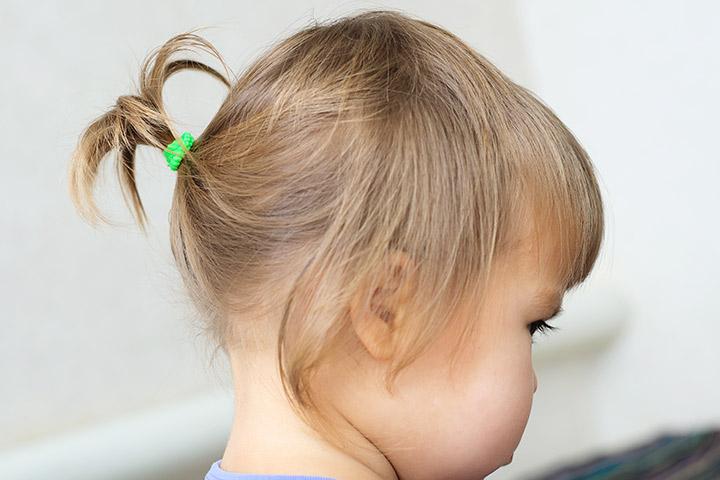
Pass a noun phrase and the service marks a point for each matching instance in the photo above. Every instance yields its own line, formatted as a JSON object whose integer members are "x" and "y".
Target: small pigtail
{"x": 138, "y": 119}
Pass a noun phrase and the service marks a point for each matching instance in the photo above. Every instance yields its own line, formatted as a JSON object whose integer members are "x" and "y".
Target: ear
{"x": 377, "y": 325}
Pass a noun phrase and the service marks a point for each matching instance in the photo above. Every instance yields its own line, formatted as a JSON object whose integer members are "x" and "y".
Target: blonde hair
{"x": 345, "y": 141}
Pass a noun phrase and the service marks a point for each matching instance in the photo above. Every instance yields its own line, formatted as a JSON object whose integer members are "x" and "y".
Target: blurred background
{"x": 103, "y": 370}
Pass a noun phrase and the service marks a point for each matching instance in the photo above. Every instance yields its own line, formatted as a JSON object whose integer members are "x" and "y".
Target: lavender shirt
{"x": 217, "y": 473}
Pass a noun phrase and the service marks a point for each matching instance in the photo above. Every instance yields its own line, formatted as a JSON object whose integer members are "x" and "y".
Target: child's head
{"x": 381, "y": 204}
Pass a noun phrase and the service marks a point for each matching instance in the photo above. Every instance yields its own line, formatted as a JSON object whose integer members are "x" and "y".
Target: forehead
{"x": 533, "y": 255}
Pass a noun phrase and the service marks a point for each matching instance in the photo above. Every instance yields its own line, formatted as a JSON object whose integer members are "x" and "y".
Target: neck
{"x": 267, "y": 436}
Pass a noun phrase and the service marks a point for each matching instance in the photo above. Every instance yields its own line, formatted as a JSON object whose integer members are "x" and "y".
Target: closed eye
{"x": 542, "y": 325}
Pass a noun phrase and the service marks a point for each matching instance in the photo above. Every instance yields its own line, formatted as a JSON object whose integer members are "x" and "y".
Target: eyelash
{"x": 542, "y": 326}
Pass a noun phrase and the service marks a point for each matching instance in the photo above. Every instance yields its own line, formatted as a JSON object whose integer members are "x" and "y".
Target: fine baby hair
{"x": 367, "y": 147}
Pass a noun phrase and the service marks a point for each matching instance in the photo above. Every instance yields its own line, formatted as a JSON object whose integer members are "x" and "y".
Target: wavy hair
{"x": 341, "y": 143}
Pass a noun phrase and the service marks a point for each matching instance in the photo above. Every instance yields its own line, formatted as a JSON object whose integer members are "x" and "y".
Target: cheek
{"x": 478, "y": 415}
{"x": 496, "y": 404}
{"x": 503, "y": 395}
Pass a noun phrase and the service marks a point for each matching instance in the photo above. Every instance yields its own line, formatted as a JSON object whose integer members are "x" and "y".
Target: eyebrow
{"x": 550, "y": 300}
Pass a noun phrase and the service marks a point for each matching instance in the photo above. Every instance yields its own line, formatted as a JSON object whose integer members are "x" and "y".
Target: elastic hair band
{"x": 175, "y": 152}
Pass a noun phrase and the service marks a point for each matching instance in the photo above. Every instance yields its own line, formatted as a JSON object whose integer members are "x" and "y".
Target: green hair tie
{"x": 175, "y": 152}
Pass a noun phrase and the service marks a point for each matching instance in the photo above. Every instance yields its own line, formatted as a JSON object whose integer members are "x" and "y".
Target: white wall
{"x": 94, "y": 325}
{"x": 638, "y": 83}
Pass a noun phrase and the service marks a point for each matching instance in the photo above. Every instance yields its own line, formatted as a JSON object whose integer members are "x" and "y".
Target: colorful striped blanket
{"x": 691, "y": 456}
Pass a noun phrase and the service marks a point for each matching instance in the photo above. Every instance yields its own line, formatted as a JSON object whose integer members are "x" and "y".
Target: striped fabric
{"x": 691, "y": 456}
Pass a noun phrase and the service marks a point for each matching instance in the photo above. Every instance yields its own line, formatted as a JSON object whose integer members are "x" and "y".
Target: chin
{"x": 508, "y": 461}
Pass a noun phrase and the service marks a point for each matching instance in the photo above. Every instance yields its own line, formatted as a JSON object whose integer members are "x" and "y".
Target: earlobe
{"x": 374, "y": 333}
{"x": 377, "y": 324}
